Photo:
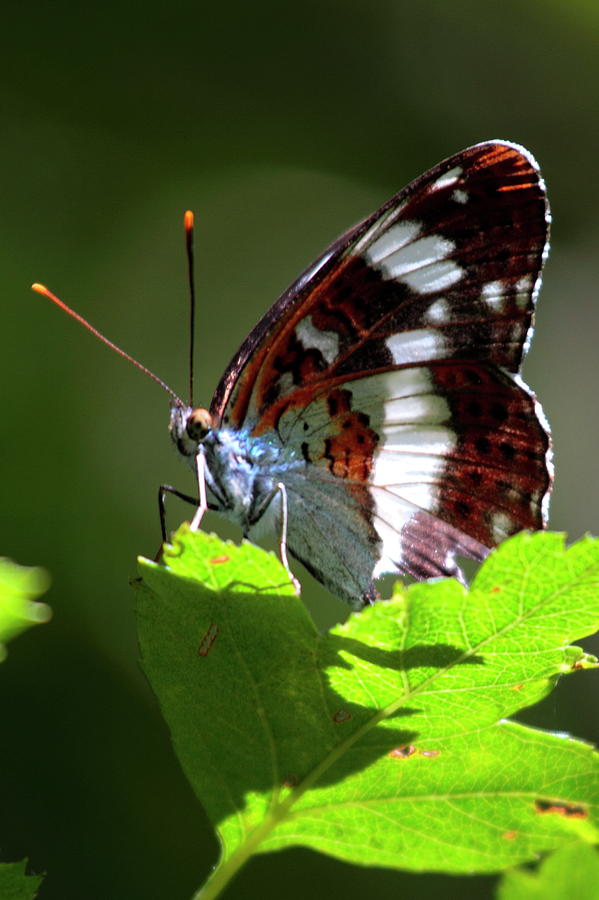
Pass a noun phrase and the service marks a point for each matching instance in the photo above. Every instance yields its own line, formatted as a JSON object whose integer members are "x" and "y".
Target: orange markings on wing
{"x": 263, "y": 368}
{"x": 524, "y": 185}
{"x": 304, "y": 396}
{"x": 300, "y": 399}
{"x": 244, "y": 386}
{"x": 339, "y": 307}
{"x": 349, "y": 451}
{"x": 498, "y": 153}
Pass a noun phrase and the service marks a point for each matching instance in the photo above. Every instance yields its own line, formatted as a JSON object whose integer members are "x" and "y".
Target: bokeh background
{"x": 280, "y": 125}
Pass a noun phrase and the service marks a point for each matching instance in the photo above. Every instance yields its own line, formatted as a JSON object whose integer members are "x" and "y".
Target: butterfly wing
{"x": 391, "y": 367}
{"x": 437, "y": 461}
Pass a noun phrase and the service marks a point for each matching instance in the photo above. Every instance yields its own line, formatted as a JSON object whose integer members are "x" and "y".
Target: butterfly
{"x": 375, "y": 416}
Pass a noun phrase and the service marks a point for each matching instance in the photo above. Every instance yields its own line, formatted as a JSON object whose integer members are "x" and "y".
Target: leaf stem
{"x": 223, "y": 874}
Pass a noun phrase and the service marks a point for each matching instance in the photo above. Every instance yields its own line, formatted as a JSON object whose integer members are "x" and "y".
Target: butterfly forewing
{"x": 437, "y": 273}
{"x": 386, "y": 368}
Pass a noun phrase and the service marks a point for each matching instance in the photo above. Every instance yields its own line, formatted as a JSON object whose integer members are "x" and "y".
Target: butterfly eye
{"x": 199, "y": 423}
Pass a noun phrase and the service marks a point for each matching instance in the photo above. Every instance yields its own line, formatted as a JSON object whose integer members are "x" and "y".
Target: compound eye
{"x": 199, "y": 423}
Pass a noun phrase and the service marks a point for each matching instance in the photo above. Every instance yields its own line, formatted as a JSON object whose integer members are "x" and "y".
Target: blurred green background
{"x": 281, "y": 126}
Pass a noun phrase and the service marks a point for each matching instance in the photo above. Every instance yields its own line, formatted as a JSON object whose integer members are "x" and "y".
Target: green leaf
{"x": 571, "y": 873}
{"x": 380, "y": 742}
{"x": 15, "y": 884}
{"x": 19, "y": 586}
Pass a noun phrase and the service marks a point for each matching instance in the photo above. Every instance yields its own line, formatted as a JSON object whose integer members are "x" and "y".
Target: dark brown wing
{"x": 448, "y": 268}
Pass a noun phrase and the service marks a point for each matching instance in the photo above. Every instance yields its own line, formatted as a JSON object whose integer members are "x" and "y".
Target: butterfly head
{"x": 190, "y": 427}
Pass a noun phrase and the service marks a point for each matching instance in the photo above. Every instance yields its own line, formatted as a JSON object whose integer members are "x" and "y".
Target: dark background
{"x": 281, "y": 126}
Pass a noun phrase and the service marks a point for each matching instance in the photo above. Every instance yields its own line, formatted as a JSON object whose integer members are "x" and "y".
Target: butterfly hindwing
{"x": 443, "y": 450}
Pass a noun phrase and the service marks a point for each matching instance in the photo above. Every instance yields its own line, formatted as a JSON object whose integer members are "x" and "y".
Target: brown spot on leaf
{"x": 569, "y": 810}
{"x": 430, "y": 754}
{"x": 403, "y": 752}
{"x": 208, "y": 640}
{"x": 342, "y": 715}
{"x": 217, "y": 560}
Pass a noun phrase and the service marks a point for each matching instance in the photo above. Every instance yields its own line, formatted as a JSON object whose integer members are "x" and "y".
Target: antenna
{"x": 43, "y": 290}
{"x": 188, "y": 225}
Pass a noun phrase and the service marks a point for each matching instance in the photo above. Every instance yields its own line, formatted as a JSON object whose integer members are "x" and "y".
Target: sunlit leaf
{"x": 19, "y": 586}
{"x": 380, "y": 742}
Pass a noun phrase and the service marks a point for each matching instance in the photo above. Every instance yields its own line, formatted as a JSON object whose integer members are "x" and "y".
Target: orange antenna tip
{"x": 188, "y": 219}
{"x": 40, "y": 289}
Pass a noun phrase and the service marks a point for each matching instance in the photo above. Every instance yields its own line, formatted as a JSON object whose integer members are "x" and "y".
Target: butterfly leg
{"x": 163, "y": 490}
{"x": 203, "y": 500}
{"x": 201, "y": 507}
{"x": 283, "y": 539}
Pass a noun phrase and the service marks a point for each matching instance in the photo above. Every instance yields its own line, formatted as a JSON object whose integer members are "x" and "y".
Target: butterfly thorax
{"x": 242, "y": 471}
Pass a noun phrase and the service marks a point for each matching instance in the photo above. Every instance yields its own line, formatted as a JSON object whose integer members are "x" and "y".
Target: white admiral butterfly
{"x": 375, "y": 415}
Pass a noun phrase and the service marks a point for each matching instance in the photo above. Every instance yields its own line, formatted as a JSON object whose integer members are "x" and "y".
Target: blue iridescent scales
{"x": 382, "y": 390}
